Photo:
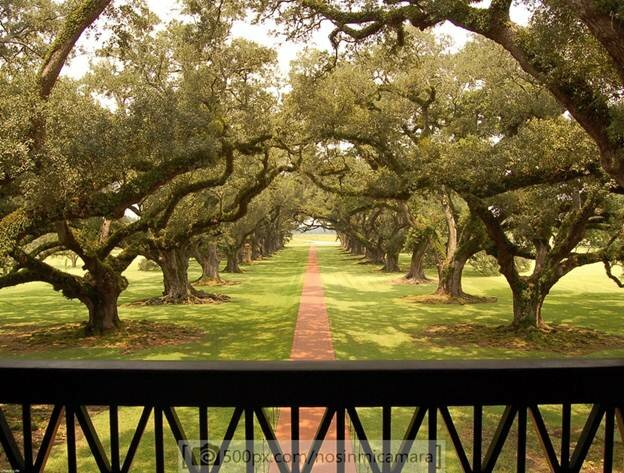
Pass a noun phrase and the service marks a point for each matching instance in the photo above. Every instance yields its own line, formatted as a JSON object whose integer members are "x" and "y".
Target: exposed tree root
{"x": 413, "y": 281}
{"x": 208, "y": 282}
{"x": 198, "y": 297}
{"x": 446, "y": 299}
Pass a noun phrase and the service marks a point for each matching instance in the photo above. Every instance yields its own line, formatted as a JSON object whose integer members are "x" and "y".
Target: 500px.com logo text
{"x": 422, "y": 455}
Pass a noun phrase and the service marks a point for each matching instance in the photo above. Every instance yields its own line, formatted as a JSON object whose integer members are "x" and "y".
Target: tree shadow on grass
{"x": 132, "y": 336}
{"x": 564, "y": 339}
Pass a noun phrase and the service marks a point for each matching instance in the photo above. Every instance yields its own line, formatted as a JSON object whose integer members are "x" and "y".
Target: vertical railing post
{"x": 477, "y": 441}
{"x": 203, "y": 439}
{"x": 433, "y": 438}
{"x": 113, "y": 415}
{"x": 566, "y": 419}
{"x": 27, "y": 434}
{"x": 522, "y": 439}
{"x": 609, "y": 439}
{"x": 340, "y": 440}
{"x": 70, "y": 425}
{"x": 159, "y": 440}
{"x": 386, "y": 433}
{"x": 249, "y": 440}
{"x": 294, "y": 436}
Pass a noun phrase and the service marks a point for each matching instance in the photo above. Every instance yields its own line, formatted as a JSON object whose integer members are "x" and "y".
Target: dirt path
{"x": 312, "y": 341}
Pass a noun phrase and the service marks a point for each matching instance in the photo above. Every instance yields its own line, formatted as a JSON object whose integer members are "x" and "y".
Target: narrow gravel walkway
{"x": 312, "y": 341}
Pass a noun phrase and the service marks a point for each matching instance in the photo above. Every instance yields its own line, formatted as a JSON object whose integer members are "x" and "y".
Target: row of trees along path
{"x": 312, "y": 341}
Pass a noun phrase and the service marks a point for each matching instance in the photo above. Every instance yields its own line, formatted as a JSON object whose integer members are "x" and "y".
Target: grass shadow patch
{"x": 133, "y": 335}
{"x": 557, "y": 338}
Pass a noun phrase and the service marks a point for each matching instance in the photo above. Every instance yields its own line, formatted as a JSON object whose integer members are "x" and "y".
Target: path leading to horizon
{"x": 312, "y": 340}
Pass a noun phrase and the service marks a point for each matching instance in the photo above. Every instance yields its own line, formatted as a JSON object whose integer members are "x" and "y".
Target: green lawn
{"x": 370, "y": 320}
{"x": 258, "y": 324}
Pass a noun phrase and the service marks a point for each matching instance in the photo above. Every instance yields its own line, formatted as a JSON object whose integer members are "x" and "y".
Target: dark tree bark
{"x": 529, "y": 292}
{"x": 208, "y": 258}
{"x": 247, "y": 254}
{"x": 274, "y": 244}
{"x": 450, "y": 276}
{"x": 345, "y": 244}
{"x": 240, "y": 255}
{"x": 256, "y": 251}
{"x": 177, "y": 289}
{"x": 375, "y": 255}
{"x": 416, "y": 272}
{"x": 100, "y": 287}
{"x": 528, "y": 300}
{"x": 391, "y": 263}
{"x": 174, "y": 264}
{"x": 451, "y": 268}
{"x": 231, "y": 265}
{"x": 351, "y": 244}
{"x": 101, "y": 299}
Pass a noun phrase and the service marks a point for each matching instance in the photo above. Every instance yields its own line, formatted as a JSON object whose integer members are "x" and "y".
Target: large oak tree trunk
{"x": 356, "y": 247}
{"x": 450, "y": 279}
{"x": 247, "y": 254}
{"x": 272, "y": 244}
{"x": 101, "y": 301}
{"x": 416, "y": 272}
{"x": 528, "y": 300}
{"x": 391, "y": 263}
{"x": 208, "y": 259}
{"x": 451, "y": 269}
{"x": 232, "y": 265}
{"x": 174, "y": 264}
{"x": 345, "y": 241}
{"x": 256, "y": 251}
{"x": 375, "y": 256}
{"x": 266, "y": 247}
{"x": 103, "y": 314}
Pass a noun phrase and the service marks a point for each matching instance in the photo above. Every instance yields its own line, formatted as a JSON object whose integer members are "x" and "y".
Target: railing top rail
{"x": 333, "y": 365}
{"x": 305, "y": 383}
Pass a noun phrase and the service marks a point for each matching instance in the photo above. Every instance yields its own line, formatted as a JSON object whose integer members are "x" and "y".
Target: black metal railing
{"x": 521, "y": 388}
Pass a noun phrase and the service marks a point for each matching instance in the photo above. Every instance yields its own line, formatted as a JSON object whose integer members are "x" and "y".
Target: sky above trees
{"x": 263, "y": 33}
